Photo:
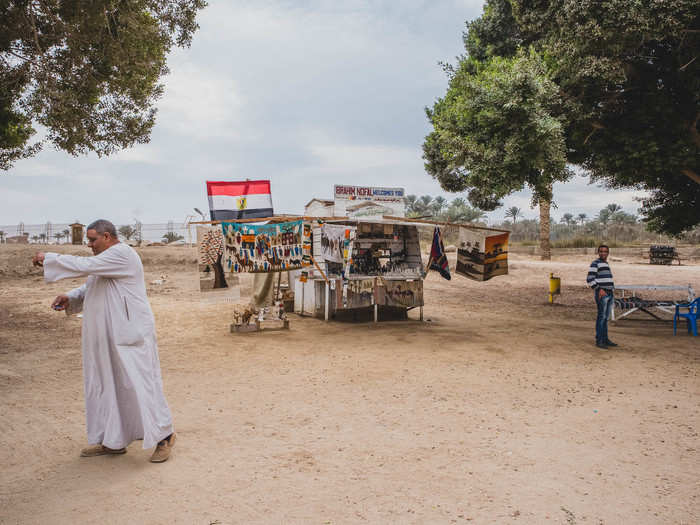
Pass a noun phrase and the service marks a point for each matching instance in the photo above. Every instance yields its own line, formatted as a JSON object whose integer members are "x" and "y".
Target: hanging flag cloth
{"x": 438, "y": 259}
{"x": 231, "y": 200}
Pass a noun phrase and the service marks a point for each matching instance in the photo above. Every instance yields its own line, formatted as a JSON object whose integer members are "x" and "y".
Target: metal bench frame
{"x": 667, "y": 306}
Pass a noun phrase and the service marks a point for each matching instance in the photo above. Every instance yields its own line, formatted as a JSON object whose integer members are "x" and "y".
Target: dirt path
{"x": 498, "y": 410}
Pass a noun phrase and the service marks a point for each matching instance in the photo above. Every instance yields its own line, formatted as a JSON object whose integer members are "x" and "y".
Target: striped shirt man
{"x": 601, "y": 280}
{"x": 600, "y": 276}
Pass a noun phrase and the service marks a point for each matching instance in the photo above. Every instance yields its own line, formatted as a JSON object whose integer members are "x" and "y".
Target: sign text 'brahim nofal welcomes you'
{"x": 350, "y": 200}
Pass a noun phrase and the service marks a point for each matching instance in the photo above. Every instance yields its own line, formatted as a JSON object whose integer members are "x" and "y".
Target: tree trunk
{"x": 219, "y": 276}
{"x": 545, "y": 248}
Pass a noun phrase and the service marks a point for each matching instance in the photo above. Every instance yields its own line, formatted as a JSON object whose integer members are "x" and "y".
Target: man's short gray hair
{"x": 103, "y": 226}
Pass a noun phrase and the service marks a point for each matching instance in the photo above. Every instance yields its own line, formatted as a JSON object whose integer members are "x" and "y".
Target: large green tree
{"x": 498, "y": 129}
{"x": 627, "y": 73}
{"x": 88, "y": 72}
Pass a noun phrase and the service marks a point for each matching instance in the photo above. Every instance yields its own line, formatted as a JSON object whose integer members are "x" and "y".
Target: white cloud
{"x": 353, "y": 159}
{"x": 307, "y": 94}
{"x": 199, "y": 104}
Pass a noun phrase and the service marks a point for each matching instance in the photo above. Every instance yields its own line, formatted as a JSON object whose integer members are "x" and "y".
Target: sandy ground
{"x": 499, "y": 409}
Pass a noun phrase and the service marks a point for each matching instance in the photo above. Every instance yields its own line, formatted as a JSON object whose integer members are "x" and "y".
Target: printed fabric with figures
{"x": 260, "y": 248}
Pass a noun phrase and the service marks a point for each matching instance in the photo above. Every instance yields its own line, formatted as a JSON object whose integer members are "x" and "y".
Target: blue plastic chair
{"x": 691, "y": 317}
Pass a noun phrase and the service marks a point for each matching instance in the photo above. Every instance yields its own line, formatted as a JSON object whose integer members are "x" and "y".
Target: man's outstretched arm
{"x": 110, "y": 263}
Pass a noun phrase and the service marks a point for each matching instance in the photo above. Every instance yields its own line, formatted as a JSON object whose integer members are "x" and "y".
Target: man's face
{"x": 603, "y": 254}
{"x": 99, "y": 242}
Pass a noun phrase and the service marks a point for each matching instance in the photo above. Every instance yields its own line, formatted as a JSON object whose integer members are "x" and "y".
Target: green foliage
{"x": 612, "y": 225}
{"x": 628, "y": 77}
{"x": 127, "y": 231}
{"x": 88, "y": 72}
{"x": 496, "y": 33}
{"x": 497, "y": 130}
{"x": 439, "y": 209}
{"x": 513, "y": 212}
{"x": 584, "y": 242}
{"x": 460, "y": 211}
{"x": 576, "y": 242}
{"x": 171, "y": 237}
{"x": 568, "y": 218}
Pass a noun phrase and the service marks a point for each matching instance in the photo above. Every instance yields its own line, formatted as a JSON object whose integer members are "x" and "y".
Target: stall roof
{"x": 386, "y": 219}
{"x": 407, "y": 221}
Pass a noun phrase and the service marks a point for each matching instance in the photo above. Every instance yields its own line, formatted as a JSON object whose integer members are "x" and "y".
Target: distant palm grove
{"x": 611, "y": 224}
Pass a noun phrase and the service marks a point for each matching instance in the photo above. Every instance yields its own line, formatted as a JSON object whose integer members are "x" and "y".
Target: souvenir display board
{"x": 389, "y": 250}
{"x": 406, "y": 294}
{"x": 357, "y": 293}
{"x": 332, "y": 242}
{"x": 482, "y": 254}
{"x": 260, "y": 248}
{"x": 210, "y": 251}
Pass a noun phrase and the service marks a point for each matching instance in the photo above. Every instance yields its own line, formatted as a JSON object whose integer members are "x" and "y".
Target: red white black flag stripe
{"x": 248, "y": 199}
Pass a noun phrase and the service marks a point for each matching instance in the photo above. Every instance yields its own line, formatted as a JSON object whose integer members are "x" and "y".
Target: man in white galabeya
{"x": 124, "y": 398}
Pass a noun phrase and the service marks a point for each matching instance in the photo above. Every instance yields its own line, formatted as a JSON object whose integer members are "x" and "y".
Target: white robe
{"x": 124, "y": 398}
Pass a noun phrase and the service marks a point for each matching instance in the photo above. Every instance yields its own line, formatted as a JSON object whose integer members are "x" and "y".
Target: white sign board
{"x": 388, "y": 201}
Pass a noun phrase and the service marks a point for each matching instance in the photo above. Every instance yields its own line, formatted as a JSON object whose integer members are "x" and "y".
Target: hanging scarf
{"x": 438, "y": 259}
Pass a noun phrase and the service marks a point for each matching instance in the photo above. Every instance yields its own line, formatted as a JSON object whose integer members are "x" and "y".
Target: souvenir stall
{"x": 359, "y": 264}
{"x": 350, "y": 264}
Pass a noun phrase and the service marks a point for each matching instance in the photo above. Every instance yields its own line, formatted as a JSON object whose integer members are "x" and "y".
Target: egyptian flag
{"x": 438, "y": 259}
{"x": 248, "y": 199}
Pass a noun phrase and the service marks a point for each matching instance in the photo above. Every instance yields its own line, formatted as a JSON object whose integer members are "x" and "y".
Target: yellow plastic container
{"x": 554, "y": 287}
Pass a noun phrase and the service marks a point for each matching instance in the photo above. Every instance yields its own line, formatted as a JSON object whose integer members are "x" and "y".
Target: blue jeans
{"x": 601, "y": 323}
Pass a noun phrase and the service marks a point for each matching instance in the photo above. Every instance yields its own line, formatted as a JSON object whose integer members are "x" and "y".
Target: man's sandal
{"x": 163, "y": 450}
{"x": 100, "y": 450}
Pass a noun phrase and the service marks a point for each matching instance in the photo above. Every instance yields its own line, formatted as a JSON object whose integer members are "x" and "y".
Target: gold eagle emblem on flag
{"x": 242, "y": 203}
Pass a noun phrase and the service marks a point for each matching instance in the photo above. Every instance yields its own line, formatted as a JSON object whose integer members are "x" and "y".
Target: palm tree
{"x": 582, "y": 218}
{"x": 409, "y": 202}
{"x": 622, "y": 217}
{"x": 2, "y": 236}
{"x": 35, "y": 238}
{"x": 423, "y": 204}
{"x": 622, "y": 222}
{"x": 464, "y": 213}
{"x": 58, "y": 236}
{"x": 42, "y": 237}
{"x": 514, "y": 212}
{"x": 614, "y": 208}
{"x": 438, "y": 205}
{"x": 603, "y": 219}
{"x": 567, "y": 219}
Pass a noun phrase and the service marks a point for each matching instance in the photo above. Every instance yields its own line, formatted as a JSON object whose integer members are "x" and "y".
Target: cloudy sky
{"x": 307, "y": 94}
